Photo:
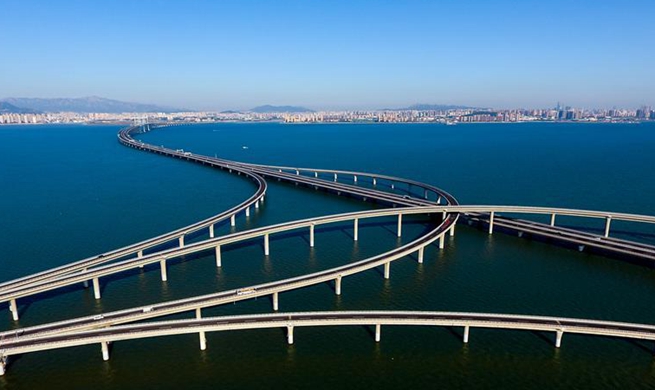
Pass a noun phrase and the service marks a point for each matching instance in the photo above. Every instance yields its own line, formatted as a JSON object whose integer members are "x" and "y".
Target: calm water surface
{"x": 68, "y": 192}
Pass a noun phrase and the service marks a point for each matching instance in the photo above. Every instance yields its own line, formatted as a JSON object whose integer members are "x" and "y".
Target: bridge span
{"x": 290, "y": 321}
{"x": 383, "y": 189}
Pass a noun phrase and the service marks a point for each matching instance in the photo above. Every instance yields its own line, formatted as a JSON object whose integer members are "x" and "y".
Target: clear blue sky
{"x": 332, "y": 54}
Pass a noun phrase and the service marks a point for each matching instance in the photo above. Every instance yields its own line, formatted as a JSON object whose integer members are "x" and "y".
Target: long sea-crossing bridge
{"x": 403, "y": 198}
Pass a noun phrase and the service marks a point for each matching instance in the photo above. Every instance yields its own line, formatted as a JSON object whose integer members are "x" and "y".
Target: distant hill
{"x": 7, "y": 108}
{"x": 433, "y": 107}
{"x": 86, "y": 104}
{"x": 269, "y": 109}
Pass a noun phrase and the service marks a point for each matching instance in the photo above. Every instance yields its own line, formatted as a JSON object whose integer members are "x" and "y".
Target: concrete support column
{"x": 14, "y": 309}
{"x": 315, "y": 174}
{"x": 443, "y": 215}
{"x": 201, "y": 335}
{"x": 558, "y": 339}
{"x": 354, "y": 178}
{"x": 105, "y": 350}
{"x": 387, "y": 269}
{"x": 181, "y": 241}
{"x": 552, "y": 219}
{"x": 425, "y": 194}
{"x": 139, "y": 254}
{"x": 375, "y": 181}
{"x": 218, "y": 256}
{"x": 439, "y": 199}
{"x": 266, "y": 246}
{"x": 608, "y": 221}
{"x": 465, "y": 338}
{"x": 96, "y": 288}
{"x": 248, "y": 211}
{"x": 337, "y": 285}
{"x": 452, "y": 230}
{"x": 162, "y": 264}
{"x": 2, "y": 367}
{"x": 276, "y": 301}
{"x": 86, "y": 282}
{"x": 400, "y": 225}
{"x": 393, "y": 186}
{"x": 297, "y": 172}
{"x": 257, "y": 204}
{"x": 335, "y": 177}
{"x": 442, "y": 241}
{"x": 290, "y": 334}
{"x": 311, "y": 235}
{"x": 233, "y": 221}
{"x": 491, "y": 223}
{"x": 378, "y": 330}
{"x": 211, "y": 231}
{"x": 356, "y": 229}
{"x": 420, "y": 255}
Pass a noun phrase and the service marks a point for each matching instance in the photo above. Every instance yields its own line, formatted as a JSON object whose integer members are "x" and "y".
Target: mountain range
{"x": 8, "y": 108}
{"x": 84, "y": 105}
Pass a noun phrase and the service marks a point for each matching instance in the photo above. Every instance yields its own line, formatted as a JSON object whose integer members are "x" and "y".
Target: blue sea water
{"x": 68, "y": 192}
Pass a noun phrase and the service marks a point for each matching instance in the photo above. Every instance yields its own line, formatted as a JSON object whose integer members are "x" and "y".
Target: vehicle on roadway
{"x": 246, "y": 291}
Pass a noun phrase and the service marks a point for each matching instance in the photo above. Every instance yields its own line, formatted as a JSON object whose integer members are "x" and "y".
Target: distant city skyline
{"x": 206, "y": 55}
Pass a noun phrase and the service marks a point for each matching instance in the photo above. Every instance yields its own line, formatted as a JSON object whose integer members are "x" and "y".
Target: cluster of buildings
{"x": 558, "y": 114}
{"x": 452, "y": 116}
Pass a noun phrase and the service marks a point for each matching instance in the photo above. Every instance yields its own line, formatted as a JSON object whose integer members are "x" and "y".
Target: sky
{"x": 354, "y": 54}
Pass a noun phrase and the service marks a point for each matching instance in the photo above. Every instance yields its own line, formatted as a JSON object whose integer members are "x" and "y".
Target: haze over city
{"x": 206, "y": 55}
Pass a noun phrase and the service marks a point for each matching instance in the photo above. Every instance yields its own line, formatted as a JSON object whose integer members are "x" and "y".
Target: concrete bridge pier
{"x": 164, "y": 276}
{"x": 420, "y": 255}
{"x": 233, "y": 221}
{"x": 378, "y": 329}
{"x": 13, "y": 308}
{"x": 387, "y": 269}
{"x": 335, "y": 177}
{"x": 311, "y": 235}
{"x": 393, "y": 185}
{"x": 104, "y": 346}
{"x": 181, "y": 241}
{"x": 276, "y": 301}
{"x": 558, "y": 338}
{"x": 96, "y": 288}
{"x": 452, "y": 230}
{"x": 86, "y": 282}
{"x": 257, "y": 204}
{"x": 356, "y": 229}
{"x": 354, "y": 178}
{"x": 3, "y": 362}
{"x": 266, "y": 245}
{"x": 218, "y": 255}
{"x": 290, "y": 334}
{"x": 425, "y": 194}
{"x": 552, "y": 219}
{"x": 139, "y": 255}
{"x": 211, "y": 231}
{"x": 400, "y": 225}
{"x": 337, "y": 285}
{"x": 439, "y": 199}
{"x": 315, "y": 174}
{"x": 201, "y": 335}
{"x": 248, "y": 211}
{"x": 465, "y": 338}
{"x": 491, "y": 222}
{"x": 375, "y": 181}
{"x": 442, "y": 241}
{"x": 608, "y": 221}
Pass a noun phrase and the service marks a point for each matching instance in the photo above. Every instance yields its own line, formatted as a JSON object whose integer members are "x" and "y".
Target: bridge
{"x": 438, "y": 206}
{"x": 291, "y": 321}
